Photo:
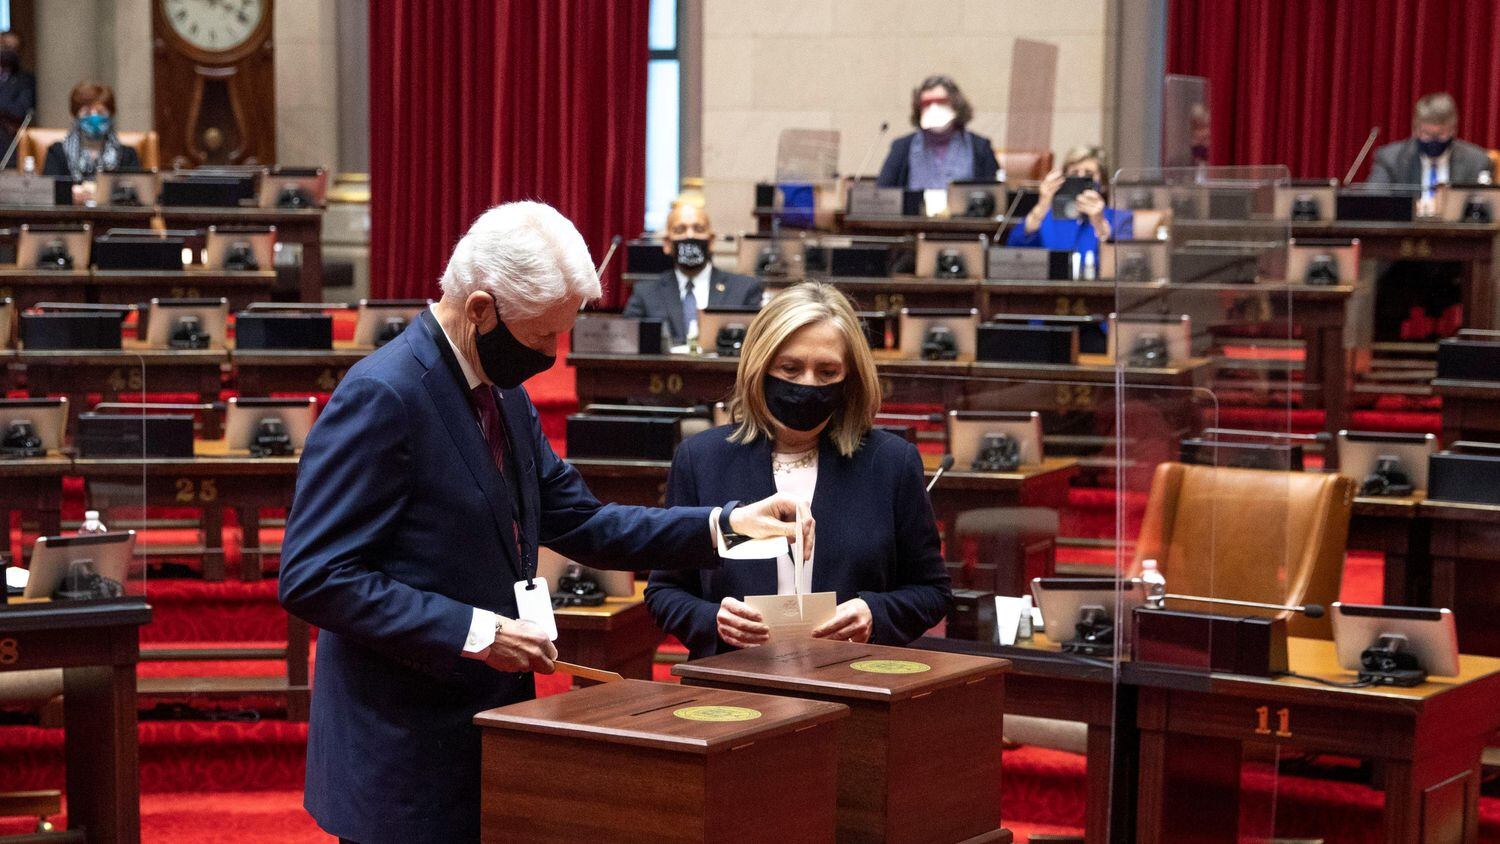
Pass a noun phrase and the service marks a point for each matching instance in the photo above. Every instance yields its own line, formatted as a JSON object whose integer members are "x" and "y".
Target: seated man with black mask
{"x": 1433, "y": 155}
{"x": 693, "y": 283}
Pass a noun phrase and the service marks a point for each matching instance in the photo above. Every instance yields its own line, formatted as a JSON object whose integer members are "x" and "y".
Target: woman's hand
{"x": 777, "y": 515}
{"x": 1091, "y": 205}
{"x": 851, "y": 622}
{"x": 1049, "y": 189}
{"x": 740, "y": 625}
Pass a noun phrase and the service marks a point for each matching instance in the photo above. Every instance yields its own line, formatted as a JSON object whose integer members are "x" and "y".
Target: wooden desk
{"x": 619, "y": 636}
{"x": 914, "y": 718}
{"x": 684, "y": 379}
{"x": 1461, "y": 573}
{"x": 893, "y": 294}
{"x": 644, "y": 482}
{"x": 28, "y": 287}
{"x": 97, "y": 647}
{"x": 261, "y": 373}
{"x": 32, "y": 486}
{"x": 1471, "y": 409}
{"x": 302, "y": 226}
{"x": 128, "y": 287}
{"x": 1317, "y": 312}
{"x": 213, "y": 479}
{"x": 1472, "y": 244}
{"x": 655, "y": 762}
{"x": 1044, "y": 682}
{"x": 1429, "y": 739}
{"x": 1392, "y": 527}
{"x": 135, "y": 369}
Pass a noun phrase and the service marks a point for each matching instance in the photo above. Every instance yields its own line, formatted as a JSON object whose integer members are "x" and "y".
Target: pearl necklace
{"x": 801, "y": 460}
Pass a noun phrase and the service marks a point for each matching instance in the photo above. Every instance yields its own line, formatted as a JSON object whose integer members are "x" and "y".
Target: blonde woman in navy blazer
{"x": 804, "y": 401}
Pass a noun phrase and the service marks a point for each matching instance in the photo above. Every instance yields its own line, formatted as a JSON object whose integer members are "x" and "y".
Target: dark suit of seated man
{"x": 1434, "y": 155}
{"x": 692, "y": 284}
{"x": 424, "y": 490}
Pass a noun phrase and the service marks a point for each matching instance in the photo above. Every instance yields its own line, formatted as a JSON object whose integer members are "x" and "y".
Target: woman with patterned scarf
{"x": 91, "y": 145}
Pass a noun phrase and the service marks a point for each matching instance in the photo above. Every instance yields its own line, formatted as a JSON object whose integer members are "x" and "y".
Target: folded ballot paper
{"x": 794, "y": 616}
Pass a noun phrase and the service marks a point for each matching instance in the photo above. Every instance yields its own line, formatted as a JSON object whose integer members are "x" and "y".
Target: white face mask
{"x": 937, "y": 117}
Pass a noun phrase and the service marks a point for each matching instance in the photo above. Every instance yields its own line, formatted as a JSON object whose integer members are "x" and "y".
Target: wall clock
{"x": 214, "y": 81}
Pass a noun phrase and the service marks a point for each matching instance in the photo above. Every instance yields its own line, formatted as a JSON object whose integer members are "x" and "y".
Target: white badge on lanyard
{"x": 534, "y": 604}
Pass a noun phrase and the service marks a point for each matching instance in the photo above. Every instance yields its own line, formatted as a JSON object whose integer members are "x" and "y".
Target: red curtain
{"x": 1301, "y": 82}
{"x": 477, "y": 102}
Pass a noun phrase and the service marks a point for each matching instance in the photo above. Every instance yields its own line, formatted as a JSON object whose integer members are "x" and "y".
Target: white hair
{"x": 527, "y": 255}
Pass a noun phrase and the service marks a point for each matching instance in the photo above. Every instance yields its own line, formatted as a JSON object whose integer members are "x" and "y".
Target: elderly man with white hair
{"x": 423, "y": 493}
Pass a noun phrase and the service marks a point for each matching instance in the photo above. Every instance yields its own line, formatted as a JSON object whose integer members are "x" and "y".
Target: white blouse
{"x": 799, "y": 483}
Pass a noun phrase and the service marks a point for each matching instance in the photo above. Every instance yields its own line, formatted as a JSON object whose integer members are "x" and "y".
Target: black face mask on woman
{"x": 802, "y": 407}
{"x": 507, "y": 361}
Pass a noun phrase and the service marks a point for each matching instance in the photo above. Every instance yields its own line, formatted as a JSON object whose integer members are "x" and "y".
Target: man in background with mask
{"x": 942, "y": 150}
{"x": 693, "y": 283}
{"x": 423, "y": 493}
{"x": 17, "y": 92}
{"x": 1433, "y": 155}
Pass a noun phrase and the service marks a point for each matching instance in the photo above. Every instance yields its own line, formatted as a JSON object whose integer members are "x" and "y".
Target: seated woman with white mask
{"x": 802, "y": 410}
{"x": 942, "y": 150}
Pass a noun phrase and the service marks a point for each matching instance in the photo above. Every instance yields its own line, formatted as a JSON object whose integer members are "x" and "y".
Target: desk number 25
{"x": 1283, "y": 721}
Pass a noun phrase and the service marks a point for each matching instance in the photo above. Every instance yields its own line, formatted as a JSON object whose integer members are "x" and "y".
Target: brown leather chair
{"x": 1026, "y": 164}
{"x": 38, "y": 140}
{"x": 1251, "y": 535}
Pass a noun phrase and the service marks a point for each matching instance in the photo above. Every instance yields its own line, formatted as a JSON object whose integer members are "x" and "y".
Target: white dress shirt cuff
{"x": 713, "y": 525}
{"x": 481, "y": 634}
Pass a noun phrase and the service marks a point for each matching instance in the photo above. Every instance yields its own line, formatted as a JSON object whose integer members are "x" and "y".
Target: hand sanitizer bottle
{"x": 1156, "y": 584}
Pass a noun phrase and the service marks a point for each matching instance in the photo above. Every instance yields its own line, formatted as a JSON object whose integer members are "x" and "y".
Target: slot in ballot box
{"x": 916, "y": 717}
{"x": 634, "y": 761}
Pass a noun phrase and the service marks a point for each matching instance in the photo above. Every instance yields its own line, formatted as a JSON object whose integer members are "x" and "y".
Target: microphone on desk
{"x": 870, "y": 150}
{"x": 942, "y": 467}
{"x": 25, "y": 122}
{"x": 1364, "y": 151}
{"x": 1309, "y": 610}
{"x": 614, "y": 243}
{"x": 1005, "y": 219}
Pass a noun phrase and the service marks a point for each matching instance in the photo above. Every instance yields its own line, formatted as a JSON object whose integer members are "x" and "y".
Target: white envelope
{"x": 794, "y": 616}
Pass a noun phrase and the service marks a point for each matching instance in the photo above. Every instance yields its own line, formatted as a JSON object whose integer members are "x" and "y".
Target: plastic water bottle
{"x": 1156, "y": 584}
{"x": 91, "y": 523}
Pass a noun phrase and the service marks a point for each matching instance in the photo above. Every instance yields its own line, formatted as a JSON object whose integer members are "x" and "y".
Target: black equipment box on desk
{"x": 271, "y": 330}
{"x": 1027, "y": 342}
{"x": 71, "y": 330}
{"x": 642, "y": 437}
{"x": 1466, "y": 472}
{"x": 135, "y": 435}
{"x": 1468, "y": 359}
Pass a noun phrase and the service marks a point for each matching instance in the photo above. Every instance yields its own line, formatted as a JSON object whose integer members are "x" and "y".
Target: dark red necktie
{"x": 493, "y": 427}
{"x": 490, "y": 423}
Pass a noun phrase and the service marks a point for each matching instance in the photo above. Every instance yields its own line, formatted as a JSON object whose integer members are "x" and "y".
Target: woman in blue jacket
{"x": 804, "y": 401}
{"x": 1094, "y": 223}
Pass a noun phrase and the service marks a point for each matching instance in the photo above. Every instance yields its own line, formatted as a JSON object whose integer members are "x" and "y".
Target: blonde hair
{"x": 792, "y": 310}
{"x": 1080, "y": 154}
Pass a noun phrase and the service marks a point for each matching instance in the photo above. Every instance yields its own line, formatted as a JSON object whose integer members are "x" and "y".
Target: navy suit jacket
{"x": 896, "y": 171}
{"x": 876, "y": 537}
{"x": 661, "y": 298}
{"x": 401, "y": 524}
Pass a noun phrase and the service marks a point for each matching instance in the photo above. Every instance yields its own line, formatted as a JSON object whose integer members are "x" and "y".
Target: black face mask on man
{"x": 1435, "y": 147}
{"x": 802, "y": 407}
{"x": 507, "y": 361}
{"x": 690, "y": 253}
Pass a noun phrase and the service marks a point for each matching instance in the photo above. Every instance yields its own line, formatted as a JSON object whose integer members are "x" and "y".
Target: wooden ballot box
{"x": 918, "y": 720}
{"x": 635, "y": 761}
